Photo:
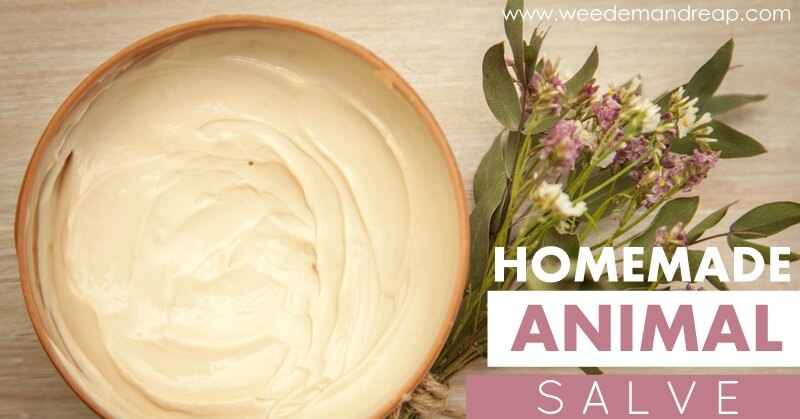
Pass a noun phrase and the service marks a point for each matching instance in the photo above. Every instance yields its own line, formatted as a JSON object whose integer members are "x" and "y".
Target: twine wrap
{"x": 428, "y": 400}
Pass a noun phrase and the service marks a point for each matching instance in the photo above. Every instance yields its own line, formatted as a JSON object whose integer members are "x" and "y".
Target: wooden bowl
{"x": 27, "y": 223}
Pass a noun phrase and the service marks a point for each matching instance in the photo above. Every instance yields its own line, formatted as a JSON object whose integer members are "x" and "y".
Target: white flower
{"x": 687, "y": 115}
{"x": 705, "y": 140}
{"x": 564, "y": 206}
{"x": 547, "y": 193}
{"x": 587, "y": 137}
{"x": 649, "y": 113}
{"x": 549, "y": 196}
{"x": 688, "y": 122}
{"x": 685, "y": 125}
{"x": 635, "y": 83}
{"x": 678, "y": 98}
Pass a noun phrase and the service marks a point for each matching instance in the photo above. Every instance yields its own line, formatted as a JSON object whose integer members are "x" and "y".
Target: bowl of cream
{"x": 242, "y": 217}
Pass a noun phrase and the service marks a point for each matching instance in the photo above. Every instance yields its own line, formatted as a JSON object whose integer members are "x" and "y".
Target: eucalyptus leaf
{"x": 705, "y": 82}
{"x": 533, "y": 284}
{"x": 485, "y": 172}
{"x": 541, "y": 124}
{"x": 708, "y": 78}
{"x": 695, "y": 257}
{"x": 767, "y": 219}
{"x": 713, "y": 219}
{"x": 716, "y": 283}
{"x": 673, "y": 212}
{"x": 731, "y": 143}
{"x": 532, "y": 52}
{"x": 734, "y": 144}
{"x": 629, "y": 83}
{"x": 510, "y": 151}
{"x": 497, "y": 217}
{"x": 662, "y": 100}
{"x": 734, "y": 241}
{"x": 489, "y": 190}
{"x": 720, "y": 104}
{"x": 567, "y": 242}
{"x": 539, "y": 65}
{"x": 647, "y": 259}
{"x": 583, "y": 75}
{"x": 513, "y": 26}
{"x": 498, "y": 87}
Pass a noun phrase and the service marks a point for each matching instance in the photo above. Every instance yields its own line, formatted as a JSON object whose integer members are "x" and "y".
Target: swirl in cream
{"x": 250, "y": 223}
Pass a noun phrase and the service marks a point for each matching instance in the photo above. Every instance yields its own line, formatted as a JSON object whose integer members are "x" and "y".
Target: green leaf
{"x": 767, "y": 219}
{"x": 695, "y": 257}
{"x": 718, "y": 105}
{"x": 489, "y": 189}
{"x": 532, "y": 52}
{"x": 731, "y": 143}
{"x": 713, "y": 219}
{"x": 591, "y": 370}
{"x": 684, "y": 145}
{"x": 485, "y": 173}
{"x": 568, "y": 242}
{"x": 734, "y": 241}
{"x": 673, "y": 212}
{"x": 583, "y": 75}
{"x": 627, "y": 85}
{"x": 513, "y": 28}
{"x": 708, "y": 78}
{"x": 510, "y": 151}
{"x": 716, "y": 283}
{"x": 662, "y": 100}
{"x": 541, "y": 125}
{"x": 498, "y": 87}
{"x": 497, "y": 217}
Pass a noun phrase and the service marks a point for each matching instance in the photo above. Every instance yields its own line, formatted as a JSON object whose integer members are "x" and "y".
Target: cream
{"x": 249, "y": 223}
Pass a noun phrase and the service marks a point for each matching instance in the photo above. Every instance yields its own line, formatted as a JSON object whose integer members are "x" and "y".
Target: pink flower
{"x": 588, "y": 90}
{"x": 634, "y": 149}
{"x": 673, "y": 167}
{"x": 674, "y": 237}
{"x": 664, "y": 183}
{"x": 697, "y": 167}
{"x": 562, "y": 145}
{"x": 607, "y": 110}
{"x": 545, "y": 90}
{"x": 678, "y": 234}
{"x": 558, "y": 86}
{"x": 677, "y": 170}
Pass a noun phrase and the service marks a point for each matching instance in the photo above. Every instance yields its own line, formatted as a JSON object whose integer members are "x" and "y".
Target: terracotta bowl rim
{"x": 151, "y": 43}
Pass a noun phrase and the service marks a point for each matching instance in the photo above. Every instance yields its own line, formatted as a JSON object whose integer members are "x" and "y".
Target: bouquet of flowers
{"x": 577, "y": 165}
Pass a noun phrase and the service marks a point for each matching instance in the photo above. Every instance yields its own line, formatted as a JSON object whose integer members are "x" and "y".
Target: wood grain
{"x": 46, "y": 47}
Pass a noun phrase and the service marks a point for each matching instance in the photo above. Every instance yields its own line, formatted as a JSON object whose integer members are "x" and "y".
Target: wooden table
{"x": 47, "y": 47}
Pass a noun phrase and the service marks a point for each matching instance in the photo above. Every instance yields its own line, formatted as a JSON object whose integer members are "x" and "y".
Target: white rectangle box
{"x": 507, "y": 309}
